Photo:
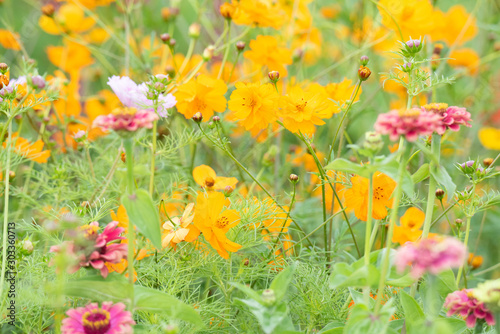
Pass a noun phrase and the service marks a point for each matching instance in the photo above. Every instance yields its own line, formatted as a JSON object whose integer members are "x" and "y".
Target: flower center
{"x": 199, "y": 104}
{"x": 300, "y": 107}
{"x": 96, "y": 321}
{"x": 125, "y": 111}
{"x": 89, "y": 230}
{"x": 437, "y": 108}
{"x": 251, "y": 103}
{"x": 410, "y": 113}
{"x": 209, "y": 182}
{"x": 378, "y": 193}
{"x": 222, "y": 222}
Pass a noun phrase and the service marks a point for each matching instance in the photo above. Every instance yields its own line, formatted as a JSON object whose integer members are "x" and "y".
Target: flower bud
{"x": 4, "y": 68}
{"x": 160, "y": 87}
{"x": 170, "y": 70}
{"x": 364, "y": 60}
{"x": 171, "y": 329}
{"x": 434, "y": 61}
{"x": 228, "y": 190}
{"x": 240, "y": 46}
{"x": 172, "y": 42}
{"x": 364, "y": 73}
{"x": 123, "y": 156}
{"x": 227, "y": 10}
{"x": 293, "y": 178}
{"x": 85, "y": 204}
{"x": 211, "y": 125}
{"x": 165, "y": 37}
{"x": 216, "y": 119}
{"x": 48, "y": 10}
{"x": 373, "y": 141}
{"x": 194, "y": 30}
{"x": 12, "y": 174}
{"x": 407, "y": 67}
{"x": 468, "y": 167}
{"x": 438, "y": 47}
{"x": 27, "y": 247}
{"x": 475, "y": 261}
{"x": 413, "y": 46}
{"x": 80, "y": 136}
{"x": 274, "y": 76}
{"x": 439, "y": 194}
{"x": 38, "y": 81}
{"x": 169, "y": 14}
{"x": 246, "y": 262}
{"x": 268, "y": 297}
{"x": 198, "y": 117}
{"x": 458, "y": 223}
{"x": 208, "y": 53}
{"x": 487, "y": 162}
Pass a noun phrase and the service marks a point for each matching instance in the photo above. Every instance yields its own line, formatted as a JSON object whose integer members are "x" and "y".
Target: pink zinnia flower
{"x": 465, "y": 304}
{"x": 409, "y": 123}
{"x": 430, "y": 255}
{"x": 133, "y": 95}
{"x": 126, "y": 119}
{"x": 108, "y": 319}
{"x": 451, "y": 117}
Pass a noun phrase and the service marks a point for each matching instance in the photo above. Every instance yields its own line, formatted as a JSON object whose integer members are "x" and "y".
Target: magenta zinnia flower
{"x": 451, "y": 117}
{"x": 410, "y": 123}
{"x": 126, "y": 119}
{"x": 430, "y": 255}
{"x": 465, "y": 304}
{"x": 108, "y": 319}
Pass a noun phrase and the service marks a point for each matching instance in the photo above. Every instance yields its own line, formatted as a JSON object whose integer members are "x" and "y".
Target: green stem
{"x": 436, "y": 149}
{"x": 466, "y": 241}
{"x": 91, "y": 165}
{"x": 369, "y": 219}
{"x": 226, "y": 53}
{"x": 153, "y": 154}
{"x": 129, "y": 146}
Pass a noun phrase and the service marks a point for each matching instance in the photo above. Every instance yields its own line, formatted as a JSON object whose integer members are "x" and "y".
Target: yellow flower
{"x": 302, "y": 110}
{"x": 178, "y": 229}
{"x": 339, "y": 92}
{"x": 203, "y": 94}
{"x": 490, "y": 138}
{"x": 69, "y": 19}
{"x": 90, "y": 4}
{"x": 409, "y": 230}
{"x": 448, "y": 26}
{"x": 214, "y": 222}
{"x": 265, "y": 51}
{"x": 32, "y": 151}
{"x": 97, "y": 36}
{"x": 262, "y": 13}
{"x": 9, "y": 40}
{"x": 205, "y": 176}
{"x": 465, "y": 57}
{"x": 356, "y": 198}
{"x": 254, "y": 105}
{"x": 71, "y": 57}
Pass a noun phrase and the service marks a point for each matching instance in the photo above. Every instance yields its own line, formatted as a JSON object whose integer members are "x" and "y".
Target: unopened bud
{"x": 27, "y": 247}
{"x": 459, "y": 223}
{"x": 438, "y": 47}
{"x": 268, "y": 297}
{"x": 413, "y": 46}
{"x": 4, "y": 68}
{"x": 85, "y": 204}
{"x": 48, "y": 10}
{"x": 171, "y": 329}
{"x": 487, "y": 162}
{"x": 216, "y": 119}
{"x": 208, "y": 53}
{"x": 274, "y": 76}
{"x": 194, "y": 30}
{"x": 198, "y": 117}
{"x": 38, "y": 81}
{"x": 293, "y": 178}
{"x": 364, "y": 73}
{"x": 240, "y": 46}
{"x": 407, "y": 67}
{"x": 170, "y": 70}
{"x": 246, "y": 262}
{"x": 159, "y": 86}
{"x": 439, "y": 194}
{"x": 373, "y": 141}
{"x": 172, "y": 42}
{"x": 169, "y": 13}
{"x": 228, "y": 190}
{"x": 364, "y": 60}
{"x": 12, "y": 174}
{"x": 123, "y": 156}
{"x": 80, "y": 136}
{"x": 165, "y": 38}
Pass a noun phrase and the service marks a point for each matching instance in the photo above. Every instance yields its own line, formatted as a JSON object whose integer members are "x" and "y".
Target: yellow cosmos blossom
{"x": 490, "y": 138}
{"x": 9, "y": 40}
{"x": 32, "y": 151}
{"x": 261, "y": 13}
{"x": 214, "y": 222}
{"x": 254, "y": 105}
{"x": 90, "y": 4}
{"x": 465, "y": 57}
{"x": 178, "y": 229}
{"x": 203, "y": 94}
{"x": 97, "y": 36}
{"x": 71, "y": 57}
{"x": 265, "y": 51}
{"x": 356, "y": 198}
{"x": 69, "y": 19}
{"x": 205, "y": 176}
{"x": 409, "y": 228}
{"x": 448, "y": 26}
{"x": 339, "y": 92}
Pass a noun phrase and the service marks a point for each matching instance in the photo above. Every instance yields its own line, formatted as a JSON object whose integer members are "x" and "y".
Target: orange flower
{"x": 302, "y": 158}
{"x": 214, "y": 222}
{"x": 264, "y": 51}
{"x": 203, "y": 94}
{"x": 330, "y": 12}
{"x": 9, "y": 40}
{"x": 254, "y": 105}
{"x": 97, "y": 36}
{"x": 475, "y": 261}
{"x": 465, "y": 57}
{"x": 69, "y": 19}
{"x": 32, "y": 151}
{"x": 90, "y": 4}
{"x": 356, "y": 198}
{"x": 409, "y": 230}
{"x": 205, "y": 176}
{"x": 178, "y": 229}
{"x": 262, "y": 13}
{"x": 448, "y": 26}
{"x": 336, "y": 180}
{"x": 340, "y": 92}
{"x": 302, "y": 110}
{"x": 71, "y": 57}
{"x": 490, "y": 138}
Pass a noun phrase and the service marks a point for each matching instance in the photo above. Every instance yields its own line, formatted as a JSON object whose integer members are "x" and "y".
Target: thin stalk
{"x": 189, "y": 53}
{"x": 91, "y": 165}
{"x": 369, "y": 219}
{"x": 466, "y": 240}
{"x": 153, "y": 154}
{"x": 129, "y": 145}
{"x": 226, "y": 53}
{"x": 436, "y": 149}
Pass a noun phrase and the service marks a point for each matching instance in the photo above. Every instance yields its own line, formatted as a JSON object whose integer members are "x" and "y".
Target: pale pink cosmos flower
{"x": 430, "y": 255}
{"x": 451, "y": 117}
{"x": 464, "y": 303}
{"x": 126, "y": 119}
{"x": 108, "y": 319}
{"x": 136, "y": 96}
{"x": 410, "y": 123}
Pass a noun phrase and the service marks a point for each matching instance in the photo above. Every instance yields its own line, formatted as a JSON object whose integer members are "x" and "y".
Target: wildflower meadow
{"x": 250, "y": 166}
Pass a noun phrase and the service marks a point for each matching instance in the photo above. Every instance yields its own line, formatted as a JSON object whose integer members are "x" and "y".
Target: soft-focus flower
{"x": 356, "y": 197}
{"x": 71, "y": 57}
{"x": 489, "y": 293}
{"x": 214, "y": 222}
{"x": 475, "y": 261}
{"x": 261, "y": 13}
{"x": 430, "y": 255}
{"x": 126, "y": 119}
{"x": 203, "y": 94}
{"x": 465, "y": 57}
{"x": 451, "y": 117}
{"x": 464, "y": 303}
{"x": 490, "y": 138}
{"x": 340, "y": 92}
{"x": 265, "y": 51}
{"x": 254, "y": 105}
{"x": 9, "y": 40}
{"x": 90, "y": 4}
{"x": 206, "y": 177}
{"x": 135, "y": 96}
{"x": 409, "y": 230}
{"x": 410, "y": 123}
{"x": 178, "y": 229}
{"x": 32, "y": 151}
{"x": 302, "y": 111}
{"x": 448, "y": 26}
{"x": 108, "y": 319}
{"x": 68, "y": 19}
